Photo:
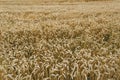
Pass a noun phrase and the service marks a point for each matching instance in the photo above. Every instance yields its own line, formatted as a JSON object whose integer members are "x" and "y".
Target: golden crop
{"x": 60, "y": 45}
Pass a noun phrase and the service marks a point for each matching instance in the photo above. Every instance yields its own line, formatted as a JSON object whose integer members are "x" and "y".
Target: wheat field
{"x": 62, "y": 40}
